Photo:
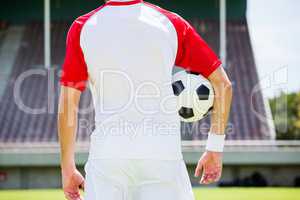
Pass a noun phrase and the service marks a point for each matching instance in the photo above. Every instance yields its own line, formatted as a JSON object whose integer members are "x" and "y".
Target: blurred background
{"x": 258, "y": 42}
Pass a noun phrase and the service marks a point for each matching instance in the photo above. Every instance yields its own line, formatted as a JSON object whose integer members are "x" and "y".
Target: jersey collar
{"x": 123, "y": 2}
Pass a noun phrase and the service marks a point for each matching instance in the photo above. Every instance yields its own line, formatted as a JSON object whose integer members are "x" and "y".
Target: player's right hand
{"x": 72, "y": 182}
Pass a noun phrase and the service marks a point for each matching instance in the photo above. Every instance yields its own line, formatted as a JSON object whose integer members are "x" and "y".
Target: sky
{"x": 275, "y": 33}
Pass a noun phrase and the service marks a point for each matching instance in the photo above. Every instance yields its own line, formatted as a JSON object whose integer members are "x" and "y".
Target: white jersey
{"x": 126, "y": 51}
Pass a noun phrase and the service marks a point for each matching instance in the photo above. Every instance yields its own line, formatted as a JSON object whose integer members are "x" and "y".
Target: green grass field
{"x": 205, "y": 194}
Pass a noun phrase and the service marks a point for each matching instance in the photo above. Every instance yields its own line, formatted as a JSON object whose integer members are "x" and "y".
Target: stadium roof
{"x": 16, "y": 11}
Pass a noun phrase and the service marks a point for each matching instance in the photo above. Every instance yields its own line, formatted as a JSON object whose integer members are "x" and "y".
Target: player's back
{"x": 130, "y": 52}
{"x": 127, "y": 50}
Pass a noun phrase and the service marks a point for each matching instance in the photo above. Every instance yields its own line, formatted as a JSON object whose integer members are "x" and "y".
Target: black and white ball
{"x": 195, "y": 95}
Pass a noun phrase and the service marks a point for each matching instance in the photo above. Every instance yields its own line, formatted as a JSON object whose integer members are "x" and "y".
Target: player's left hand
{"x": 210, "y": 167}
{"x": 72, "y": 182}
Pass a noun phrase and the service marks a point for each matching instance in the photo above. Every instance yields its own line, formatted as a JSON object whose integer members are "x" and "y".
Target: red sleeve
{"x": 193, "y": 53}
{"x": 74, "y": 71}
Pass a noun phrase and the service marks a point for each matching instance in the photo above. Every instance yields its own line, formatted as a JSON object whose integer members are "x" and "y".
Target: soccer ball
{"x": 195, "y": 95}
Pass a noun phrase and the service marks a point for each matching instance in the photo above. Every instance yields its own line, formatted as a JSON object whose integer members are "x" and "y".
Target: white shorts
{"x": 108, "y": 179}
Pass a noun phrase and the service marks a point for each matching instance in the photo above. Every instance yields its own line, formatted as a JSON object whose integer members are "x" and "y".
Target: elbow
{"x": 224, "y": 87}
{"x": 221, "y": 83}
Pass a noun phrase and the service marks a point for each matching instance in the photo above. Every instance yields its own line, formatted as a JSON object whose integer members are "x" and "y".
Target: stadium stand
{"x": 17, "y": 125}
{"x": 3, "y": 27}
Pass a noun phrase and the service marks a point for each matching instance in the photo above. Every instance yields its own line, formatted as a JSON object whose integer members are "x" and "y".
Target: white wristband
{"x": 215, "y": 142}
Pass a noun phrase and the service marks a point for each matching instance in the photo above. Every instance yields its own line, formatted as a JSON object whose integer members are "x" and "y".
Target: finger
{"x": 218, "y": 176}
{"x": 206, "y": 172}
{"x": 206, "y": 181}
{"x": 210, "y": 171}
{"x": 74, "y": 188}
{"x": 199, "y": 169}
{"x": 213, "y": 175}
{"x": 73, "y": 193}
{"x": 71, "y": 196}
{"x": 74, "y": 196}
{"x": 211, "y": 178}
{"x": 203, "y": 179}
{"x": 207, "y": 178}
{"x": 68, "y": 197}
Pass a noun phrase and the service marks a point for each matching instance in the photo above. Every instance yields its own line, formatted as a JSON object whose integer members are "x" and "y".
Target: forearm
{"x": 67, "y": 127}
{"x": 210, "y": 164}
{"x": 222, "y": 100}
{"x": 222, "y": 104}
{"x": 67, "y": 140}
